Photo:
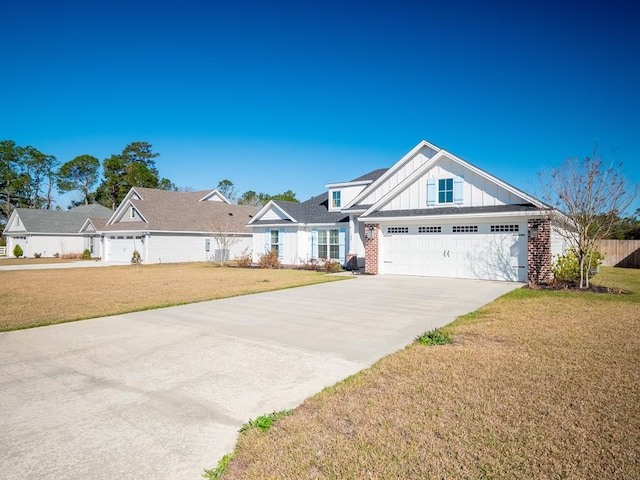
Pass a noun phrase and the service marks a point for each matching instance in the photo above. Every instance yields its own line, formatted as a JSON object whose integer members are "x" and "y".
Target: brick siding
{"x": 539, "y": 251}
{"x": 371, "y": 249}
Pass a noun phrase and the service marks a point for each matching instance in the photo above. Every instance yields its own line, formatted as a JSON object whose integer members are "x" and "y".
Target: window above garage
{"x": 445, "y": 191}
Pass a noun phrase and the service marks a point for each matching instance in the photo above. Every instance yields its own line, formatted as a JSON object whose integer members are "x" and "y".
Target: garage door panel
{"x": 495, "y": 256}
{"x": 121, "y": 249}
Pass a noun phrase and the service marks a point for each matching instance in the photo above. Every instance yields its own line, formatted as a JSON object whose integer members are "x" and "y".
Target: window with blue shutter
{"x": 458, "y": 190}
{"x": 431, "y": 191}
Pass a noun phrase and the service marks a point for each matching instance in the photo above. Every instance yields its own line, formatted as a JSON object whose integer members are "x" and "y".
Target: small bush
{"x": 86, "y": 255}
{"x": 244, "y": 260}
{"x": 37, "y": 255}
{"x": 17, "y": 251}
{"x": 311, "y": 264}
{"x": 435, "y": 337}
{"x": 321, "y": 265}
{"x": 56, "y": 255}
{"x": 270, "y": 260}
{"x": 566, "y": 268}
{"x": 332, "y": 266}
{"x": 136, "y": 258}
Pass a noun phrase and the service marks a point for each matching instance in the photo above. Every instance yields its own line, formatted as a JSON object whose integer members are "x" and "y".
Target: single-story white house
{"x": 165, "y": 226}
{"x": 431, "y": 214}
{"x": 51, "y": 232}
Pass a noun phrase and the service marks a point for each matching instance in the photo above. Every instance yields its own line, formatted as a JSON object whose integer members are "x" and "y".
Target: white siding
{"x": 293, "y": 248}
{"x": 174, "y": 248}
{"x": 558, "y": 243}
{"x": 347, "y": 194}
{"x": 47, "y": 245}
{"x": 406, "y": 169}
{"x": 274, "y": 214}
{"x": 477, "y": 190}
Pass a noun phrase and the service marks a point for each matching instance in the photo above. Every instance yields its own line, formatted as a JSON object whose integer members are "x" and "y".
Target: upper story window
{"x": 445, "y": 190}
{"x": 335, "y": 199}
{"x": 132, "y": 213}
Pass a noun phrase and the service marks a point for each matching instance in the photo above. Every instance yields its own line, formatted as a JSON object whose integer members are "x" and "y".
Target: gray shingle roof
{"x": 314, "y": 210}
{"x": 60, "y": 221}
{"x": 372, "y": 176}
{"x": 167, "y": 211}
{"x": 438, "y": 211}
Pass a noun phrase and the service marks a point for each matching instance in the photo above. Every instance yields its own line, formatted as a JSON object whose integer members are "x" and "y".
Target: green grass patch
{"x": 436, "y": 336}
{"x": 264, "y": 422}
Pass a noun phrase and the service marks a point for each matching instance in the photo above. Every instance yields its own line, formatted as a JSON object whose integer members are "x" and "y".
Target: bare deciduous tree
{"x": 225, "y": 239}
{"x": 588, "y": 198}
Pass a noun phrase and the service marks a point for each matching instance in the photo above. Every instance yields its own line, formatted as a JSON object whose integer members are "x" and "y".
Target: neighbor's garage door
{"x": 121, "y": 248}
{"x": 483, "y": 251}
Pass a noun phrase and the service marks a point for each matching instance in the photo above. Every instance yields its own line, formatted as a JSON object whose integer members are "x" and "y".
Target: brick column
{"x": 371, "y": 249}
{"x": 539, "y": 251}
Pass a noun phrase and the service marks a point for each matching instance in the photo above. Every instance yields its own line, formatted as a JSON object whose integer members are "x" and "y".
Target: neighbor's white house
{"x": 165, "y": 226}
{"x": 51, "y": 232}
{"x": 430, "y": 214}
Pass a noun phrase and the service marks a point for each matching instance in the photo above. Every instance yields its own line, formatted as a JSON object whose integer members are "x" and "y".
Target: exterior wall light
{"x": 370, "y": 232}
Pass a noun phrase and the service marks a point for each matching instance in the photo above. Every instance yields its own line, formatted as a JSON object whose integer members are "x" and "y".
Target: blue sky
{"x": 294, "y": 95}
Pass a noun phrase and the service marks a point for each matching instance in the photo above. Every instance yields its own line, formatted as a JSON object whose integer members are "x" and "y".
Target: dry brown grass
{"x": 40, "y": 297}
{"x": 540, "y": 385}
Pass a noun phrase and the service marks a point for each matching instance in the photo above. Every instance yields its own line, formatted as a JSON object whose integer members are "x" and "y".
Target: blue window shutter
{"x": 314, "y": 243}
{"x": 458, "y": 190}
{"x": 267, "y": 240}
{"x": 342, "y": 239}
{"x": 431, "y": 191}
{"x": 281, "y": 244}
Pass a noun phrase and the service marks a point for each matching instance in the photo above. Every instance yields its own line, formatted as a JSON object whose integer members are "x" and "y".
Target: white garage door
{"x": 121, "y": 248}
{"x": 488, "y": 252}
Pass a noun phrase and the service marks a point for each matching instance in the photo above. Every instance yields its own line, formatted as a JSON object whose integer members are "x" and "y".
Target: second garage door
{"x": 485, "y": 251}
{"x": 121, "y": 248}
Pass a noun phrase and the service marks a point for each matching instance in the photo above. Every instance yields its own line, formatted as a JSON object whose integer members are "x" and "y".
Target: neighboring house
{"x": 50, "y": 232}
{"x": 165, "y": 226}
{"x": 430, "y": 214}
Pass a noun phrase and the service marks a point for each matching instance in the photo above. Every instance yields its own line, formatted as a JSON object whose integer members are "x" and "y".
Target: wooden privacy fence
{"x": 620, "y": 253}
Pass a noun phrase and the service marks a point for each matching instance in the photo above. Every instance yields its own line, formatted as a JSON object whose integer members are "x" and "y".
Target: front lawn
{"x": 40, "y": 297}
{"x": 537, "y": 384}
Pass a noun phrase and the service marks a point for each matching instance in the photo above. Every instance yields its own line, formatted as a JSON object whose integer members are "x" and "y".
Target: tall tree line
{"x": 29, "y": 178}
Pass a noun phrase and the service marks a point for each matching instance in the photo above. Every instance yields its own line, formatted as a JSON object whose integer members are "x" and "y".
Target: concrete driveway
{"x": 161, "y": 394}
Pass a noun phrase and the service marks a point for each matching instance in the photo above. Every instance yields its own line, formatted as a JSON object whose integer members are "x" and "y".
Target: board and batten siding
{"x": 409, "y": 166}
{"x": 292, "y": 243}
{"x": 477, "y": 191}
